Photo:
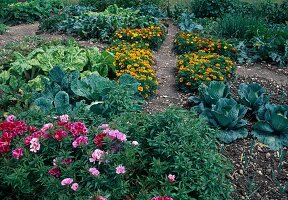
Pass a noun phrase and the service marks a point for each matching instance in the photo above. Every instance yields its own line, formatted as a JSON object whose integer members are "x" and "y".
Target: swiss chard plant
{"x": 228, "y": 115}
{"x": 209, "y": 95}
{"x": 272, "y": 126}
{"x": 252, "y": 95}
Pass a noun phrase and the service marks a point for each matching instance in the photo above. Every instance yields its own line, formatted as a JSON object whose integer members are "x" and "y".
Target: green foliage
{"x": 211, "y": 8}
{"x": 103, "y": 4}
{"x": 101, "y": 62}
{"x": 3, "y": 28}
{"x": 97, "y": 25}
{"x": 13, "y": 91}
{"x": 187, "y": 23}
{"x": 42, "y": 60}
{"x": 179, "y": 143}
{"x": 70, "y": 57}
{"x": 151, "y": 10}
{"x": 228, "y": 115}
{"x": 240, "y": 26}
{"x": 272, "y": 126}
{"x": 30, "y": 11}
{"x": 252, "y": 95}
{"x": 209, "y": 95}
{"x": 271, "y": 12}
{"x": 99, "y": 94}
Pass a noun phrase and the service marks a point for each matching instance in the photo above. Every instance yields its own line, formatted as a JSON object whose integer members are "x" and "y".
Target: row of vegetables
{"x": 206, "y": 64}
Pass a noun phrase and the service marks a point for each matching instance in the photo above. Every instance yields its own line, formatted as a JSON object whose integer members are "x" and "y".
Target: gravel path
{"x": 166, "y": 73}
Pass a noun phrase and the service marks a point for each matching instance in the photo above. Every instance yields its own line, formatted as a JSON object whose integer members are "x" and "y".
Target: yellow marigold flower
{"x": 181, "y": 80}
{"x": 188, "y": 83}
{"x": 140, "y": 88}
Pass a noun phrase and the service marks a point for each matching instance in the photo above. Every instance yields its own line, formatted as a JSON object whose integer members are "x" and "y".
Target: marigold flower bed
{"x": 193, "y": 42}
{"x": 202, "y": 67}
{"x": 153, "y": 35}
{"x": 136, "y": 59}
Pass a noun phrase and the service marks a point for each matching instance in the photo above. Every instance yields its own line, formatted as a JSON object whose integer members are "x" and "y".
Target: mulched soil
{"x": 259, "y": 173}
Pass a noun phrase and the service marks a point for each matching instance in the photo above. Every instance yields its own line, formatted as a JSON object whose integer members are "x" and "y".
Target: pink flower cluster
{"x": 106, "y": 131}
{"x": 77, "y": 128}
{"x": 34, "y": 145}
{"x": 161, "y": 198}
{"x": 171, "y": 178}
{"x": 97, "y": 155}
{"x": 80, "y": 140}
{"x": 120, "y": 169}
{"x": 94, "y": 171}
{"x": 10, "y": 129}
{"x": 69, "y": 181}
{"x": 101, "y": 198}
{"x": 17, "y": 153}
{"x": 60, "y": 134}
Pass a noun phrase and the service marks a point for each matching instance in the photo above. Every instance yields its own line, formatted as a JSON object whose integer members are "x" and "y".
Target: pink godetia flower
{"x": 67, "y": 161}
{"x": 104, "y": 126}
{"x": 161, "y": 198}
{"x": 101, "y": 198}
{"x": 171, "y": 178}
{"x": 99, "y": 138}
{"x": 46, "y": 127}
{"x": 80, "y": 140}
{"x": 120, "y": 169}
{"x": 34, "y": 145}
{"x": 5, "y": 142}
{"x": 97, "y": 155}
{"x": 115, "y": 134}
{"x": 77, "y": 128}
{"x": 74, "y": 186}
{"x": 66, "y": 181}
{"x": 94, "y": 171}
{"x": 64, "y": 118}
{"x": 55, "y": 171}
{"x": 11, "y": 118}
{"x": 17, "y": 153}
{"x": 60, "y": 134}
{"x": 135, "y": 143}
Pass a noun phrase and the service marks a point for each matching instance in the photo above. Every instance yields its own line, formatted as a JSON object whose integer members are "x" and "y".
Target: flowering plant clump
{"x": 201, "y": 67}
{"x": 136, "y": 59}
{"x": 153, "y": 35}
{"x": 193, "y": 42}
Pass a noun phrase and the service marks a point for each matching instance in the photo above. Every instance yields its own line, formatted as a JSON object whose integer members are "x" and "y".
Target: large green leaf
{"x": 229, "y": 136}
{"x": 274, "y": 142}
{"x": 279, "y": 122}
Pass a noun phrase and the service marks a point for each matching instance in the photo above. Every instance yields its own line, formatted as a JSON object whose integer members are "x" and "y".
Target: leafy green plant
{"x": 252, "y": 95}
{"x": 30, "y": 11}
{"x": 168, "y": 155}
{"x": 151, "y": 10}
{"x": 211, "y": 8}
{"x": 186, "y": 23}
{"x": 3, "y": 28}
{"x": 272, "y": 126}
{"x": 209, "y": 95}
{"x": 63, "y": 92}
{"x": 228, "y": 115}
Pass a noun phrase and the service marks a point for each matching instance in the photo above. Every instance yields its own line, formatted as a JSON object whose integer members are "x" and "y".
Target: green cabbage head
{"x": 272, "y": 126}
{"x": 228, "y": 115}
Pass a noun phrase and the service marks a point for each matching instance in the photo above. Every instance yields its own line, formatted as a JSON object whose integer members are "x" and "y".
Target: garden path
{"x": 165, "y": 67}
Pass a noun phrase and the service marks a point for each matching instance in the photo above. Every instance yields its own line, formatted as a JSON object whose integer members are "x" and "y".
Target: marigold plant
{"x": 136, "y": 59}
{"x": 202, "y": 67}
{"x": 193, "y": 42}
{"x": 153, "y": 35}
